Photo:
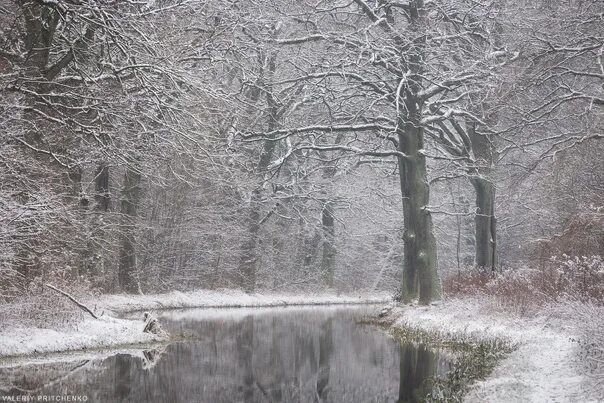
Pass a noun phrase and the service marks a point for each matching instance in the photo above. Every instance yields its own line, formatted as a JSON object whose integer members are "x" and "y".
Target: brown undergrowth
{"x": 579, "y": 279}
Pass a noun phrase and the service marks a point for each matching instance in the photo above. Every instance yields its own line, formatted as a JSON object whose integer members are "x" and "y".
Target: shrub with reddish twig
{"x": 572, "y": 278}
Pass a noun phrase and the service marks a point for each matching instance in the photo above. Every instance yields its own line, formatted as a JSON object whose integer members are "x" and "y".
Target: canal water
{"x": 303, "y": 354}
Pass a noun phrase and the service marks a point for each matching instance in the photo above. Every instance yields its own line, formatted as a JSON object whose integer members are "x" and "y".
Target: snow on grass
{"x": 238, "y": 314}
{"x": 111, "y": 332}
{"x": 542, "y": 367}
{"x": 87, "y": 334}
{"x": 228, "y": 299}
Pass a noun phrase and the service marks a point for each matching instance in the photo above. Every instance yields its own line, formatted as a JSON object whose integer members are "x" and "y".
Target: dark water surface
{"x": 317, "y": 354}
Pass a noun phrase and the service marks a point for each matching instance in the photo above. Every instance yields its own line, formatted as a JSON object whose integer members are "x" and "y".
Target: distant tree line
{"x": 359, "y": 144}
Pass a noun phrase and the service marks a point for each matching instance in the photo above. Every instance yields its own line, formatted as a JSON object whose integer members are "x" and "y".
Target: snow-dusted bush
{"x": 581, "y": 277}
{"x": 522, "y": 290}
{"x": 591, "y": 340}
{"x": 36, "y": 305}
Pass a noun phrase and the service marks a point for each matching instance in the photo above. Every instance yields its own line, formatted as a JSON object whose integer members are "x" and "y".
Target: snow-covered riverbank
{"x": 110, "y": 332}
{"x": 229, "y": 299}
{"x": 87, "y": 334}
{"x": 542, "y": 368}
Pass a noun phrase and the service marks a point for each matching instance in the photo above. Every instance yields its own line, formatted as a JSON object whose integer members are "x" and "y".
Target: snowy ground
{"x": 88, "y": 334}
{"x": 111, "y": 332}
{"x": 228, "y": 298}
{"x": 542, "y": 368}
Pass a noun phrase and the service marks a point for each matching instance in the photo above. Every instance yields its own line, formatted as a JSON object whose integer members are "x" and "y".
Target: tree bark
{"x": 40, "y": 24}
{"x": 101, "y": 187}
{"x": 131, "y": 194}
{"x": 75, "y": 301}
{"x": 486, "y": 224}
{"x": 420, "y": 277}
{"x": 485, "y": 220}
{"x": 328, "y": 259}
{"x": 248, "y": 262}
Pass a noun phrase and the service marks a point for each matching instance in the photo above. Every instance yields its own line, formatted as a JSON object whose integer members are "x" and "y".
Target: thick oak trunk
{"x": 420, "y": 277}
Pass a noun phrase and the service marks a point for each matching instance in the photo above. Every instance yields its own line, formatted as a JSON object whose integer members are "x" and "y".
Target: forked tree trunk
{"x": 420, "y": 277}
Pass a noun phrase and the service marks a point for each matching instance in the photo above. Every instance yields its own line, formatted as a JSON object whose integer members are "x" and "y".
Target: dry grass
{"x": 31, "y": 304}
{"x": 527, "y": 290}
{"x": 568, "y": 290}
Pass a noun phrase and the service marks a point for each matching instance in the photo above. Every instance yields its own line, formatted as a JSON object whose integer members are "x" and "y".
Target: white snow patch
{"x": 229, "y": 298}
{"x": 541, "y": 369}
{"x": 88, "y": 334}
{"x": 112, "y": 332}
{"x": 237, "y": 314}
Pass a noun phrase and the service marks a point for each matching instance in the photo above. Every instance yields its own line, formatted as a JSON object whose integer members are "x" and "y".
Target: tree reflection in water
{"x": 262, "y": 355}
{"x": 417, "y": 365}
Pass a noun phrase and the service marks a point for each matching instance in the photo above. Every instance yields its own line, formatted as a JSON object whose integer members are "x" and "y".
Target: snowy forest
{"x": 439, "y": 153}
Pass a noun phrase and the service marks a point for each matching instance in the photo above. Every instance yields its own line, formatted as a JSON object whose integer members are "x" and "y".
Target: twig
{"x": 75, "y": 301}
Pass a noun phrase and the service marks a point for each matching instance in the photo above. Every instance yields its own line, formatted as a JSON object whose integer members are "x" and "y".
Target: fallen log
{"x": 72, "y": 299}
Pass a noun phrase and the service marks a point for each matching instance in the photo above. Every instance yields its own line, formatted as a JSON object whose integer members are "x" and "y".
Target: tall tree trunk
{"x": 485, "y": 220}
{"x": 93, "y": 260}
{"x": 101, "y": 188}
{"x": 486, "y": 224}
{"x": 248, "y": 261}
{"x": 249, "y": 258}
{"x": 131, "y": 194}
{"x": 420, "y": 277}
{"x": 328, "y": 259}
{"x": 40, "y": 24}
